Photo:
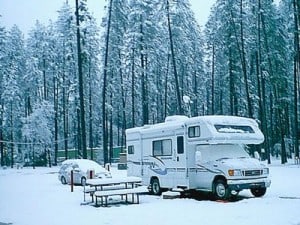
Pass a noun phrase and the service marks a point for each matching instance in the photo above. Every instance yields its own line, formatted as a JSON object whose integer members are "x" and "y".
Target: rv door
{"x": 180, "y": 156}
{"x": 181, "y": 178}
{"x": 204, "y": 166}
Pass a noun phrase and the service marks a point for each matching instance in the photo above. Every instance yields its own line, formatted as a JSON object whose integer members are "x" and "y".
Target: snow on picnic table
{"x": 36, "y": 197}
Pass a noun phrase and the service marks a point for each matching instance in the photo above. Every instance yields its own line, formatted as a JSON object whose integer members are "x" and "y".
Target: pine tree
{"x": 12, "y": 85}
{"x": 3, "y": 71}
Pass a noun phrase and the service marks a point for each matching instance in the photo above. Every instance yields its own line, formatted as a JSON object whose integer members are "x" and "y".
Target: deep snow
{"x": 36, "y": 197}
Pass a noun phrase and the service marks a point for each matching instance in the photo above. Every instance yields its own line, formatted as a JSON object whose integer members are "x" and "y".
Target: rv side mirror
{"x": 256, "y": 155}
{"x": 198, "y": 156}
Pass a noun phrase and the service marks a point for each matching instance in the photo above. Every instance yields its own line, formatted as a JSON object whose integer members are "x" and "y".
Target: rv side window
{"x": 194, "y": 131}
{"x": 130, "y": 149}
{"x": 180, "y": 146}
{"x": 162, "y": 147}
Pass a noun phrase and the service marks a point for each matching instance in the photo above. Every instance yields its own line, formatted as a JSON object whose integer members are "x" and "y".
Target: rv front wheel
{"x": 258, "y": 192}
{"x": 221, "y": 190}
{"x": 155, "y": 187}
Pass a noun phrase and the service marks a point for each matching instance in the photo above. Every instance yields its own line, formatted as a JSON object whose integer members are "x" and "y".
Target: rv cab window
{"x": 162, "y": 147}
{"x": 194, "y": 131}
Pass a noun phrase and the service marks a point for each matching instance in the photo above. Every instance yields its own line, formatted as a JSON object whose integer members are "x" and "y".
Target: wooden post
{"x": 72, "y": 181}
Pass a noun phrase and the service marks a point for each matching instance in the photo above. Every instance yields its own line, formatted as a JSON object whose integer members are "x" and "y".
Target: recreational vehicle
{"x": 205, "y": 153}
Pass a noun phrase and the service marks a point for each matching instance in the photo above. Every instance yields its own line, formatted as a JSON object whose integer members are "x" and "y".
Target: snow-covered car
{"x": 81, "y": 171}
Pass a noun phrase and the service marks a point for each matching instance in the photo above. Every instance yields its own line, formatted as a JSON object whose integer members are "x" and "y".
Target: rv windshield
{"x": 206, "y": 153}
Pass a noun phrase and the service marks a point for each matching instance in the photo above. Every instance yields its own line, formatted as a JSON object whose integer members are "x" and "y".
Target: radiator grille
{"x": 249, "y": 173}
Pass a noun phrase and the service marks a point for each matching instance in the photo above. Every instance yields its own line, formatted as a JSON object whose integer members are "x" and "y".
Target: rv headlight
{"x": 265, "y": 171}
{"x": 234, "y": 173}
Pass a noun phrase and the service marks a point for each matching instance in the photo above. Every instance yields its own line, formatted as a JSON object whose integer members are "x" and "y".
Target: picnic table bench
{"x": 124, "y": 186}
{"x": 125, "y": 192}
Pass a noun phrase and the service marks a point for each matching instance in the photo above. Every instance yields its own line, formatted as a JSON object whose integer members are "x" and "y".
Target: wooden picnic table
{"x": 129, "y": 182}
{"x": 123, "y": 186}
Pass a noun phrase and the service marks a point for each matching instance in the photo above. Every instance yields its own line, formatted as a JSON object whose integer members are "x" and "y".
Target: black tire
{"x": 258, "y": 192}
{"x": 155, "y": 187}
{"x": 83, "y": 181}
{"x": 221, "y": 190}
{"x": 63, "y": 180}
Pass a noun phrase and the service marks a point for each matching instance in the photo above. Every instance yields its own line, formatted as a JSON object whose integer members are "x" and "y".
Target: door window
{"x": 180, "y": 145}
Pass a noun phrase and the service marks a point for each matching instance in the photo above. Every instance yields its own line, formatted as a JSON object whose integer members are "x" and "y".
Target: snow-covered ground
{"x": 36, "y": 197}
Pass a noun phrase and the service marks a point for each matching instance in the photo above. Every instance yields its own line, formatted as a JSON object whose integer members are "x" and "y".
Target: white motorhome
{"x": 205, "y": 153}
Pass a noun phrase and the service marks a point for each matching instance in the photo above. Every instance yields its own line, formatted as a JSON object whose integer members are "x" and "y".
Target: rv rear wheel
{"x": 155, "y": 187}
{"x": 221, "y": 191}
{"x": 83, "y": 181}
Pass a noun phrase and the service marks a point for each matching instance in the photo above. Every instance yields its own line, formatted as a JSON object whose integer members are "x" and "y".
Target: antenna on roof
{"x": 187, "y": 100}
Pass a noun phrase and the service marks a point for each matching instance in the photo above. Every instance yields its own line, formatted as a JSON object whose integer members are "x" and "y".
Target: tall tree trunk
{"x": 65, "y": 118}
{"x": 81, "y": 86}
{"x": 178, "y": 95}
{"x": 49, "y": 157}
{"x": 280, "y": 114}
{"x": 91, "y": 144}
{"x": 133, "y": 89}
{"x": 11, "y": 135}
{"x": 296, "y": 74}
{"x": 111, "y": 135}
{"x": 79, "y": 144}
{"x": 196, "y": 94}
{"x": 1, "y": 134}
{"x": 44, "y": 79}
{"x": 241, "y": 49}
{"x": 123, "y": 96}
{"x": 55, "y": 100}
{"x": 232, "y": 92}
{"x": 166, "y": 88}
{"x": 104, "y": 128}
{"x": 213, "y": 80}
{"x": 145, "y": 110}
{"x": 267, "y": 133}
{"x": 33, "y": 156}
{"x": 272, "y": 115}
{"x": 262, "y": 79}
{"x": 244, "y": 66}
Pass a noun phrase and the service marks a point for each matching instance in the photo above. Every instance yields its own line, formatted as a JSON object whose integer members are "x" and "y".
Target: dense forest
{"x": 76, "y": 84}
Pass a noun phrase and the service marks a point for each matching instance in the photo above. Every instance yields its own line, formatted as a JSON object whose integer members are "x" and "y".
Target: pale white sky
{"x": 24, "y": 13}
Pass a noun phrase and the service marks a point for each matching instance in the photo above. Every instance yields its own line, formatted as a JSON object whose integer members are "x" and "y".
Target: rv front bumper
{"x": 238, "y": 185}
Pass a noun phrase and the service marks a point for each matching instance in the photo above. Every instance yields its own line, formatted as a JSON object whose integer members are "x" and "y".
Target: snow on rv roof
{"x": 233, "y": 129}
{"x": 214, "y": 129}
{"x": 176, "y": 118}
{"x": 179, "y": 120}
{"x": 173, "y": 122}
{"x": 232, "y": 120}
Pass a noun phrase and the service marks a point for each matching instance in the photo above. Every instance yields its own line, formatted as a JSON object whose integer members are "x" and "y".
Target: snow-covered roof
{"x": 86, "y": 164}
